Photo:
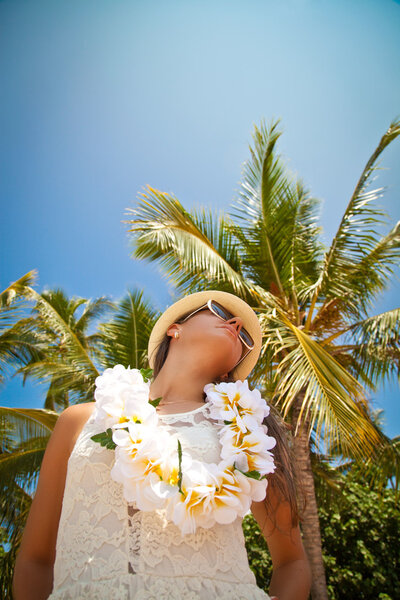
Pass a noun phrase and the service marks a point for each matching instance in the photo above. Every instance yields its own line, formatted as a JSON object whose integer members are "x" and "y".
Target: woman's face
{"x": 210, "y": 340}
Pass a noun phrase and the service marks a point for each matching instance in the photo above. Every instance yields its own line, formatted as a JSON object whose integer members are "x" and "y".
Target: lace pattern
{"x": 107, "y": 548}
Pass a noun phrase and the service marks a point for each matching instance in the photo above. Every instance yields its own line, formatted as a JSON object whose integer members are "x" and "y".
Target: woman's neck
{"x": 179, "y": 386}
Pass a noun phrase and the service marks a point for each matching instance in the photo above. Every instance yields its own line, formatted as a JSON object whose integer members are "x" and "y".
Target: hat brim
{"x": 234, "y": 304}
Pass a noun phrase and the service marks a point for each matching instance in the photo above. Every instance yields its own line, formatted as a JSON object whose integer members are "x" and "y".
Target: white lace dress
{"x": 107, "y": 549}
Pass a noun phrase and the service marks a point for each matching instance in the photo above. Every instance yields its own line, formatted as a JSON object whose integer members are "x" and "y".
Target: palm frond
{"x": 93, "y": 310}
{"x": 15, "y": 349}
{"x": 274, "y": 214}
{"x": 383, "y": 467}
{"x": 306, "y": 251}
{"x": 333, "y": 399}
{"x": 22, "y": 464}
{"x": 262, "y": 188}
{"x": 56, "y": 397}
{"x": 124, "y": 339}
{"x": 12, "y": 292}
{"x": 276, "y": 222}
{"x": 371, "y": 275}
{"x": 194, "y": 249}
{"x": 55, "y": 323}
{"x": 65, "y": 375}
{"x": 356, "y": 236}
{"x": 376, "y": 346}
{"x": 27, "y": 422}
{"x": 24, "y": 436}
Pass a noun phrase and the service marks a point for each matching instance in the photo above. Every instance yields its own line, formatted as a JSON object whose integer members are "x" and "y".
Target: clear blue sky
{"x": 100, "y": 98}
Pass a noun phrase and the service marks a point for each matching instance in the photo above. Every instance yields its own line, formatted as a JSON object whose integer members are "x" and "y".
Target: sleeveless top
{"x": 107, "y": 548}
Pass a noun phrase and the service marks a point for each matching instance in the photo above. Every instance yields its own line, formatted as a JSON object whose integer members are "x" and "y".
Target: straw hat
{"x": 237, "y": 306}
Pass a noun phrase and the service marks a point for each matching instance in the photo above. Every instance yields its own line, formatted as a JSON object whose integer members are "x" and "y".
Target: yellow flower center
{"x": 173, "y": 477}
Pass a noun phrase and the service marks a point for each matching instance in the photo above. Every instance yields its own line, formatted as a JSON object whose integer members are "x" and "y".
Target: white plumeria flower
{"x": 211, "y": 494}
{"x": 254, "y": 441}
{"x": 147, "y": 464}
{"x": 138, "y": 459}
{"x": 249, "y": 452}
{"x": 252, "y": 404}
{"x": 120, "y": 374}
{"x": 235, "y": 402}
{"x": 258, "y": 487}
{"x": 121, "y": 395}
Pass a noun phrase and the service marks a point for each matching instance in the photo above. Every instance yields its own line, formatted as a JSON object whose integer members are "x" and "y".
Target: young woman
{"x": 91, "y": 532}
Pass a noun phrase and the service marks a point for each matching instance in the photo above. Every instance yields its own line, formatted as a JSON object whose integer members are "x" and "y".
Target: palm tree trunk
{"x": 310, "y": 520}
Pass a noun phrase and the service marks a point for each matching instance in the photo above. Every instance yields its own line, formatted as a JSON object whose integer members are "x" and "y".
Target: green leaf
{"x": 105, "y": 439}
{"x": 251, "y": 474}
{"x": 180, "y": 468}
{"x": 155, "y": 402}
{"x": 147, "y": 374}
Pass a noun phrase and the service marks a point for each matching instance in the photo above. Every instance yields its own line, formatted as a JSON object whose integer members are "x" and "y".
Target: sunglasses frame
{"x": 209, "y": 306}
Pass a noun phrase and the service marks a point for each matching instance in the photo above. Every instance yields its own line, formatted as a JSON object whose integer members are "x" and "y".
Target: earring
{"x": 176, "y": 334}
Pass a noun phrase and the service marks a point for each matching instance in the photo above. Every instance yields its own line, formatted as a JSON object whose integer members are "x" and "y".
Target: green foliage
{"x": 147, "y": 374}
{"x": 155, "y": 402}
{"x": 180, "y": 469}
{"x": 105, "y": 439}
{"x": 361, "y": 542}
{"x": 360, "y": 532}
{"x": 123, "y": 340}
{"x": 7, "y": 557}
{"x": 257, "y": 551}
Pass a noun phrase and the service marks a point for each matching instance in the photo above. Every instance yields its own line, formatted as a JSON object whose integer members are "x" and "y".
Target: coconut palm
{"x": 64, "y": 353}
{"x": 52, "y": 347}
{"x": 24, "y": 436}
{"x": 13, "y": 350}
{"x": 322, "y": 350}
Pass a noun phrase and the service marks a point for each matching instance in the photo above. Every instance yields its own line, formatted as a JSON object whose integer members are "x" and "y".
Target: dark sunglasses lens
{"x": 226, "y": 315}
{"x": 221, "y": 311}
{"x": 246, "y": 337}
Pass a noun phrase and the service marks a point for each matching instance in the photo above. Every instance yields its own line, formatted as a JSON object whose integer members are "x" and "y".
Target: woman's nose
{"x": 236, "y": 322}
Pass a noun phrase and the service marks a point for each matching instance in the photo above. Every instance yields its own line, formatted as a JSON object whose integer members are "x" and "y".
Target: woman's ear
{"x": 172, "y": 329}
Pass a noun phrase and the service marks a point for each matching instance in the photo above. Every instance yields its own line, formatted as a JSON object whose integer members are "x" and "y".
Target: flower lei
{"x": 154, "y": 470}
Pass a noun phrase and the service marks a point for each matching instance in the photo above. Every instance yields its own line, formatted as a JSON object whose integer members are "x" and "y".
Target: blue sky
{"x": 100, "y": 98}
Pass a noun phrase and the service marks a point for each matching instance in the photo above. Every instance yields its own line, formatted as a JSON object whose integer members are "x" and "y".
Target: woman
{"x": 83, "y": 539}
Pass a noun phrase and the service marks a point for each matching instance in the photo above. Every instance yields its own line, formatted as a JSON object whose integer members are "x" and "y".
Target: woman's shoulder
{"x": 75, "y": 412}
{"x": 76, "y": 415}
{"x": 71, "y": 422}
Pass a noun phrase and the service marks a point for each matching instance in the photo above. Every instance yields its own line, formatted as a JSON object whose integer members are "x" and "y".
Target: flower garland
{"x": 156, "y": 473}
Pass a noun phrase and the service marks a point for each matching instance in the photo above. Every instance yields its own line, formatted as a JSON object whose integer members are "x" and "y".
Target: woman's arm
{"x": 291, "y": 576}
{"x": 33, "y": 573}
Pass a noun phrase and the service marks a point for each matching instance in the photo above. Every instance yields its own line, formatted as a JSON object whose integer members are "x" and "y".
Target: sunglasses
{"x": 224, "y": 314}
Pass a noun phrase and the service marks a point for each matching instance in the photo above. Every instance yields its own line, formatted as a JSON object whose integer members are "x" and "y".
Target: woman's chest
{"x": 200, "y": 440}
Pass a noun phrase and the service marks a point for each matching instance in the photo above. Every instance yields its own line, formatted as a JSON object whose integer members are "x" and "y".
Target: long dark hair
{"x": 284, "y": 481}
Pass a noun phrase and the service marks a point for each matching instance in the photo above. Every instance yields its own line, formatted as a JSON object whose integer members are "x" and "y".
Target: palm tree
{"x": 13, "y": 351}
{"x": 51, "y": 346}
{"x": 322, "y": 350}
{"x": 61, "y": 353}
{"x": 24, "y": 436}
